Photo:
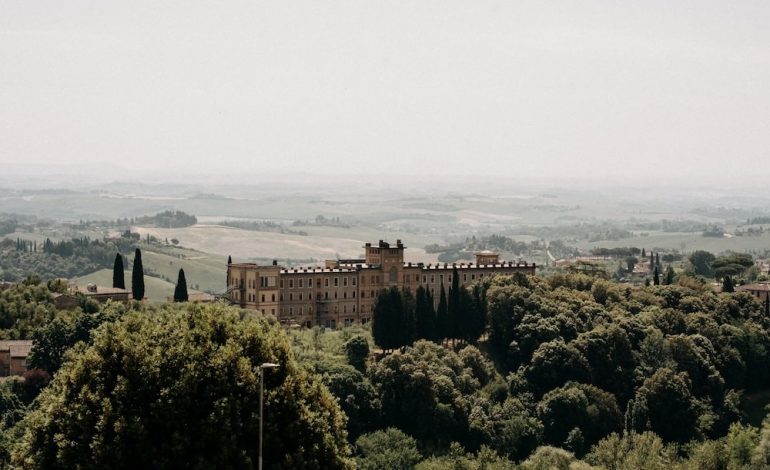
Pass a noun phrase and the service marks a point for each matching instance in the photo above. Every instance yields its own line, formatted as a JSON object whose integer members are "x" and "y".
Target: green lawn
{"x": 155, "y": 289}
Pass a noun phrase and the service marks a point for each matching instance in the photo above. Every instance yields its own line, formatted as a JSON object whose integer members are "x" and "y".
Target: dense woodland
{"x": 566, "y": 371}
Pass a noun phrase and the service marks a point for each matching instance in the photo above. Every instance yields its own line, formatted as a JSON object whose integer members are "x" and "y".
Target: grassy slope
{"x": 156, "y": 290}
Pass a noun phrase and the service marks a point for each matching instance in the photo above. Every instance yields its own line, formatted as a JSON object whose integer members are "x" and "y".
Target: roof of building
{"x": 96, "y": 290}
{"x": 760, "y": 286}
{"x": 17, "y": 347}
{"x": 485, "y": 253}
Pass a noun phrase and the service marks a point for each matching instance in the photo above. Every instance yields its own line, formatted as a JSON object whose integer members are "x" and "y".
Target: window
{"x": 354, "y": 294}
{"x": 291, "y": 283}
{"x": 353, "y": 281}
{"x": 310, "y": 283}
{"x": 326, "y": 282}
{"x": 281, "y": 283}
{"x": 263, "y": 297}
{"x": 344, "y": 295}
{"x": 309, "y": 296}
{"x": 363, "y": 294}
{"x": 345, "y": 281}
{"x": 354, "y": 309}
{"x": 424, "y": 279}
{"x": 441, "y": 278}
{"x": 326, "y": 295}
{"x": 432, "y": 279}
{"x": 299, "y": 283}
{"x": 300, "y": 296}
{"x": 281, "y": 297}
{"x": 291, "y": 310}
{"x": 291, "y": 296}
{"x": 272, "y": 298}
{"x": 344, "y": 309}
{"x": 335, "y": 294}
{"x": 336, "y": 282}
{"x": 465, "y": 277}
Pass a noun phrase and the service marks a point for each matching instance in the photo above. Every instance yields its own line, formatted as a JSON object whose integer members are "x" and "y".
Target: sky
{"x": 511, "y": 89}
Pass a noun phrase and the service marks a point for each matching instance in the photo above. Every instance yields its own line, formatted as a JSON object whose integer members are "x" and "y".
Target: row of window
{"x": 301, "y": 310}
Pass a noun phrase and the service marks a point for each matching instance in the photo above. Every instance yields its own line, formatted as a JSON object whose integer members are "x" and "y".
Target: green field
{"x": 204, "y": 270}
{"x": 250, "y": 244}
{"x": 155, "y": 290}
{"x": 686, "y": 242}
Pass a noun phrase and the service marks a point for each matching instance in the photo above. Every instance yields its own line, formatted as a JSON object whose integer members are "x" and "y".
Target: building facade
{"x": 343, "y": 292}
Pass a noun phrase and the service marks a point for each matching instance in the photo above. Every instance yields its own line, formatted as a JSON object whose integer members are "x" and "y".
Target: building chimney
{"x": 275, "y": 262}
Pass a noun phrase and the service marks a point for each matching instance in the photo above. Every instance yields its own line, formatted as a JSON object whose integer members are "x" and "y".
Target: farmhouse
{"x": 13, "y": 356}
{"x": 342, "y": 292}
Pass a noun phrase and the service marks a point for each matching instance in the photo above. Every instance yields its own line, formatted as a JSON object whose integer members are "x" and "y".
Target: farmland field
{"x": 156, "y": 290}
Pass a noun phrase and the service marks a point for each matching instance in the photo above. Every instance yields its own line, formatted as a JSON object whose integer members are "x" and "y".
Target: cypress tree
{"x": 652, "y": 260}
{"x": 727, "y": 284}
{"x": 655, "y": 276}
{"x": 229, "y": 260}
{"x": 137, "y": 276}
{"x": 118, "y": 274}
{"x": 669, "y": 279}
{"x": 180, "y": 291}
{"x": 657, "y": 259}
{"x": 442, "y": 322}
{"x": 454, "y": 322}
{"x": 424, "y": 314}
{"x": 644, "y": 255}
{"x": 407, "y": 329}
{"x": 767, "y": 305}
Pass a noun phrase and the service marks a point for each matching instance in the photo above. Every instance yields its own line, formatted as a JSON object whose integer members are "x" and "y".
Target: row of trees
{"x": 137, "y": 278}
{"x": 400, "y": 318}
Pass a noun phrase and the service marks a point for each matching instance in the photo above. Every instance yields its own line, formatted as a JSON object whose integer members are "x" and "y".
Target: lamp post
{"x": 262, "y": 367}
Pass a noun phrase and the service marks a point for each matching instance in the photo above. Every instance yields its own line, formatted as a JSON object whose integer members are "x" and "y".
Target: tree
{"x": 644, "y": 254}
{"x": 180, "y": 388}
{"x": 425, "y": 315}
{"x": 702, "y": 263}
{"x": 665, "y": 404}
{"x": 137, "y": 276}
{"x": 554, "y": 363}
{"x": 393, "y": 321}
{"x": 631, "y": 262}
{"x": 655, "y": 276}
{"x": 669, "y": 279}
{"x": 357, "y": 351}
{"x": 727, "y": 284}
{"x": 454, "y": 320}
{"x": 118, "y": 273}
{"x": 180, "y": 291}
{"x": 229, "y": 260}
{"x": 442, "y": 320}
{"x": 390, "y": 449}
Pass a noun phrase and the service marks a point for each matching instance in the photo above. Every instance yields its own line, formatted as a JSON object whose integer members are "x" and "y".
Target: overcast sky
{"x": 511, "y": 88}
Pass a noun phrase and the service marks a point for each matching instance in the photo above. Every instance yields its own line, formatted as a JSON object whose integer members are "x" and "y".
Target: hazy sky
{"x": 516, "y": 89}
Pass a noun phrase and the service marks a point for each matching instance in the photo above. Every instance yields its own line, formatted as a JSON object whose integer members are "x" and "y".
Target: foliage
{"x": 182, "y": 385}
{"x": 180, "y": 290}
{"x": 137, "y": 276}
{"x": 357, "y": 351}
{"x": 389, "y": 449}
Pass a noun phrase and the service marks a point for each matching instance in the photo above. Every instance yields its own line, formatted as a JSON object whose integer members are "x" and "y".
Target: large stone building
{"x": 343, "y": 291}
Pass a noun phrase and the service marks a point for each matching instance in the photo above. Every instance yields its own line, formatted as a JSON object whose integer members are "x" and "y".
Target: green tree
{"x": 442, "y": 316}
{"x": 357, "y": 351}
{"x": 665, "y": 403}
{"x": 655, "y": 276}
{"x": 180, "y": 291}
{"x": 389, "y": 449}
{"x": 702, "y": 263}
{"x": 669, "y": 277}
{"x": 727, "y": 284}
{"x": 425, "y": 315}
{"x": 118, "y": 273}
{"x": 454, "y": 313}
{"x": 631, "y": 262}
{"x": 555, "y": 363}
{"x": 137, "y": 276}
{"x": 180, "y": 388}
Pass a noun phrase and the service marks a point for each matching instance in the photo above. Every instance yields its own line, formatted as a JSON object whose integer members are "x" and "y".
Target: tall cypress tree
{"x": 118, "y": 273}
{"x": 669, "y": 279}
{"x": 655, "y": 276}
{"x": 455, "y": 323}
{"x": 180, "y": 291}
{"x": 727, "y": 284}
{"x": 424, "y": 314}
{"x": 442, "y": 322}
{"x": 767, "y": 305}
{"x": 652, "y": 260}
{"x": 137, "y": 276}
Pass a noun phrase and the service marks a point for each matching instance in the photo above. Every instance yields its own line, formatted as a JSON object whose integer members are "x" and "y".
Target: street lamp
{"x": 262, "y": 367}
